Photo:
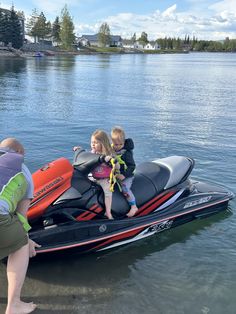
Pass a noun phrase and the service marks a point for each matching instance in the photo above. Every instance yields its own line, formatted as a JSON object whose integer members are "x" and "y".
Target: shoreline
{"x": 45, "y": 53}
{"x": 19, "y": 53}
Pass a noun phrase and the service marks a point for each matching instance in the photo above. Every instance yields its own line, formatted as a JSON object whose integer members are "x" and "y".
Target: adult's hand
{"x": 32, "y": 248}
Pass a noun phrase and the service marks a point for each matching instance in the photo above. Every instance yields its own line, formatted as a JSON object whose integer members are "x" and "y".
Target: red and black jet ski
{"x": 67, "y": 212}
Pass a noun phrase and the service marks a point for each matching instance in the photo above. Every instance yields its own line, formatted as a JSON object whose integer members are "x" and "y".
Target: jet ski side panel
{"x": 49, "y": 183}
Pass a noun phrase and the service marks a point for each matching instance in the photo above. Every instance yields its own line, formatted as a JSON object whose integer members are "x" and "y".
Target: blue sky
{"x": 205, "y": 19}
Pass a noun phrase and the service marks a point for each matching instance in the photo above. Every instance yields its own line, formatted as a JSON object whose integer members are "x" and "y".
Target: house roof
{"x": 95, "y": 37}
{"x": 116, "y": 38}
{"x": 127, "y": 41}
{"x": 90, "y": 37}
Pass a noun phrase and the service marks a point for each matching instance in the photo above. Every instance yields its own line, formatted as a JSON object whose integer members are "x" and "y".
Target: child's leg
{"x": 126, "y": 190}
{"x": 108, "y": 200}
{"x": 108, "y": 196}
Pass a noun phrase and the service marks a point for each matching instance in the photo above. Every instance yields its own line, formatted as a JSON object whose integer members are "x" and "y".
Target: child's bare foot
{"x": 21, "y": 308}
{"x": 133, "y": 211}
{"x": 109, "y": 216}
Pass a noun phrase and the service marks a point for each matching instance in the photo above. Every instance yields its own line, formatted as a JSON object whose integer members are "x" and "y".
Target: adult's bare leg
{"x": 16, "y": 271}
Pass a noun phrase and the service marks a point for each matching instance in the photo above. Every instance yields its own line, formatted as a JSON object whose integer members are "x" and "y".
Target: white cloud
{"x": 170, "y": 12}
{"x": 225, "y": 5}
{"x": 171, "y": 23}
{"x": 203, "y": 19}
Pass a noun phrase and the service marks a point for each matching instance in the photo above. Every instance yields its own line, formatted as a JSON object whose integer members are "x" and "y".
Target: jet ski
{"x": 67, "y": 213}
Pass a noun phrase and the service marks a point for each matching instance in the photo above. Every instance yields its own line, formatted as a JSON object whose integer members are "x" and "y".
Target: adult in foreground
{"x": 16, "y": 192}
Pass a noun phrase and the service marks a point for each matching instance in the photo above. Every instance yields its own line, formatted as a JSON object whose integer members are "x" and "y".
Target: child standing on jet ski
{"x": 124, "y": 153}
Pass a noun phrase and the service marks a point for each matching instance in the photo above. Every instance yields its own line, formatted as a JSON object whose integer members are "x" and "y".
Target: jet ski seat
{"x": 152, "y": 178}
{"x": 166, "y": 172}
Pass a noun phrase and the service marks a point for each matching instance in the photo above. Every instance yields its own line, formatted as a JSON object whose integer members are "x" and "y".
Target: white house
{"x": 139, "y": 45}
{"x": 128, "y": 43}
{"x": 152, "y": 45}
{"x": 82, "y": 41}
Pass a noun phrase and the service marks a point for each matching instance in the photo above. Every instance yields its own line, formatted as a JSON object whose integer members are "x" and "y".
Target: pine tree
{"x": 7, "y": 28}
{"x": 133, "y": 38}
{"x": 11, "y": 30}
{"x": 30, "y": 26}
{"x": 41, "y": 26}
{"x": 2, "y": 26}
{"x": 56, "y": 30}
{"x": 16, "y": 34}
{"x": 66, "y": 34}
{"x": 143, "y": 38}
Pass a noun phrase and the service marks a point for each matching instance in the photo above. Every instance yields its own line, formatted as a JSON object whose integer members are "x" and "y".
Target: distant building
{"x": 92, "y": 40}
{"x": 128, "y": 43}
{"x": 139, "y": 45}
{"x": 116, "y": 41}
{"x": 152, "y": 45}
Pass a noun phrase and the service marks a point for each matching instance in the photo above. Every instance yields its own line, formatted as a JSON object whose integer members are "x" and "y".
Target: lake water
{"x": 183, "y": 104}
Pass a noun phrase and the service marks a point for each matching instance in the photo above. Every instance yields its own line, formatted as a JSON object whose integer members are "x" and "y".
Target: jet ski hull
{"x": 167, "y": 210}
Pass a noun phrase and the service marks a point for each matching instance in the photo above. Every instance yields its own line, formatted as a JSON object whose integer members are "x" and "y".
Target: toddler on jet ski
{"x": 124, "y": 153}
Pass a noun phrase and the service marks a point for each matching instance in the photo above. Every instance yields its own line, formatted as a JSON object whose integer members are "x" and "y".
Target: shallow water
{"x": 169, "y": 105}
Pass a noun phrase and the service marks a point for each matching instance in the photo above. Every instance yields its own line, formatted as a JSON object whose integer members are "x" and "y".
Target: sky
{"x": 204, "y": 19}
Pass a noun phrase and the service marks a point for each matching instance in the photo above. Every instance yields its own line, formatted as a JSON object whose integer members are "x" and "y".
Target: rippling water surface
{"x": 169, "y": 105}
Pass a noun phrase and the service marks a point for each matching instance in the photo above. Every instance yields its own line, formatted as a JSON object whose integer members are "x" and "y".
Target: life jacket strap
{"x": 24, "y": 222}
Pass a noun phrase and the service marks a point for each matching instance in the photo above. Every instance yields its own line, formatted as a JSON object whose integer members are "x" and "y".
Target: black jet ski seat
{"x": 165, "y": 173}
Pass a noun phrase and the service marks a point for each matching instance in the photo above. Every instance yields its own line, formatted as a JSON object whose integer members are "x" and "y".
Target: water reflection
{"x": 110, "y": 281}
{"x": 11, "y": 65}
{"x": 46, "y": 84}
{"x": 95, "y": 265}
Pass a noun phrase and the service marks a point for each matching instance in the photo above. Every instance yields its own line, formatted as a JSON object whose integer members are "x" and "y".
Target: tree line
{"x": 189, "y": 44}
{"x": 62, "y": 32}
{"x": 194, "y": 44}
{"x": 37, "y": 26}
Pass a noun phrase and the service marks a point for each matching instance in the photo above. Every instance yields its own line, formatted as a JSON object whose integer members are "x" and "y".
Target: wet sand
{"x": 80, "y": 284}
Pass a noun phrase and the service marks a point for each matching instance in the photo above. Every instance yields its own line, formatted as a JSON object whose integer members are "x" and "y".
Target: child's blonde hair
{"x": 118, "y": 132}
{"x": 103, "y": 138}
